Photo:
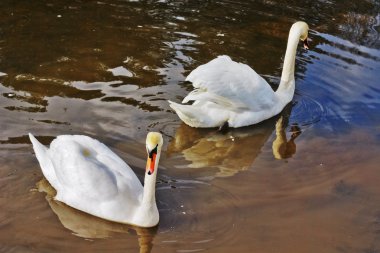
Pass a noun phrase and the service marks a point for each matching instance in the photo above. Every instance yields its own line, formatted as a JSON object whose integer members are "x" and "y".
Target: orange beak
{"x": 151, "y": 161}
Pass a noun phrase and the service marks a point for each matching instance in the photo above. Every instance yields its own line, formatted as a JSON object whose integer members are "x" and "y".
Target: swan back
{"x": 231, "y": 82}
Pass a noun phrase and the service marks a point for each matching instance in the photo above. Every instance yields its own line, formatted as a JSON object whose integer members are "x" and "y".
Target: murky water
{"x": 304, "y": 181}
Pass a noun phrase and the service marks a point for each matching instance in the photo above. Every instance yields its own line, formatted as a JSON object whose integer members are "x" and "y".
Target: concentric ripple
{"x": 196, "y": 216}
{"x": 306, "y": 111}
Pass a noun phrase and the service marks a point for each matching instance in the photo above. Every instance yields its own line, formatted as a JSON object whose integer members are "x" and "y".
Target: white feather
{"x": 88, "y": 176}
{"x": 225, "y": 90}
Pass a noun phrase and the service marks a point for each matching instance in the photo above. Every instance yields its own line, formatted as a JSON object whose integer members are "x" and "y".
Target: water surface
{"x": 303, "y": 181}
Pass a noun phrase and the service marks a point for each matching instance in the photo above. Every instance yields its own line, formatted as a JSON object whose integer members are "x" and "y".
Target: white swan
{"x": 88, "y": 176}
{"x": 232, "y": 94}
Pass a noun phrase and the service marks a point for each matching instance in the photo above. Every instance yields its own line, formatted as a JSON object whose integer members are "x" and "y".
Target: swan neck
{"x": 149, "y": 195}
{"x": 290, "y": 56}
{"x": 280, "y": 141}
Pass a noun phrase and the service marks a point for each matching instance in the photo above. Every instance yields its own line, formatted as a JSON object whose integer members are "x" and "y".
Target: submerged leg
{"x": 224, "y": 128}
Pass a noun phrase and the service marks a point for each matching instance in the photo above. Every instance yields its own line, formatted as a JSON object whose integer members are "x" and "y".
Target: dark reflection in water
{"x": 90, "y": 227}
{"x": 227, "y": 153}
{"x": 282, "y": 147}
{"x": 306, "y": 180}
{"x": 237, "y": 149}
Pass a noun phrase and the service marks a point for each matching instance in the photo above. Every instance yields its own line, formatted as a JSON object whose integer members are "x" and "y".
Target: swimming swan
{"x": 228, "y": 93}
{"x": 89, "y": 177}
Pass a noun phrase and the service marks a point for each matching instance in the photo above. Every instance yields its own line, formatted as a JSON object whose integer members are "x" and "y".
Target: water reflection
{"x": 282, "y": 147}
{"x": 361, "y": 27}
{"x": 236, "y": 150}
{"x": 54, "y": 58}
{"x": 90, "y": 227}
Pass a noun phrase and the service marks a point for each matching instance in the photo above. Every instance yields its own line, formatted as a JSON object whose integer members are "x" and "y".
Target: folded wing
{"x": 231, "y": 84}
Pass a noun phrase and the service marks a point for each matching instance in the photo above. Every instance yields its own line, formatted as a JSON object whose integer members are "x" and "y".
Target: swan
{"x": 231, "y": 94}
{"x": 89, "y": 177}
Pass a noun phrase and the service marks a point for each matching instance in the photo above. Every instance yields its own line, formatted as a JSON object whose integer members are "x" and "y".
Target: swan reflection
{"x": 90, "y": 227}
{"x": 282, "y": 147}
{"x": 234, "y": 151}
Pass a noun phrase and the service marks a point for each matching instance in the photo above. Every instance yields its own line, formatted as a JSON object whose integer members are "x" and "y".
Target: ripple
{"x": 131, "y": 101}
{"x": 41, "y": 86}
{"x": 224, "y": 190}
{"x": 198, "y": 216}
{"x": 121, "y": 71}
{"x": 306, "y": 111}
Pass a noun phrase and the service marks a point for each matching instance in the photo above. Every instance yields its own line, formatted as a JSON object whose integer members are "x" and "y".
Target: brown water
{"x": 304, "y": 181}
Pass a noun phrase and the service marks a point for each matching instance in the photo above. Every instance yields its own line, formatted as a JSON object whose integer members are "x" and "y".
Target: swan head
{"x": 154, "y": 143}
{"x": 303, "y": 30}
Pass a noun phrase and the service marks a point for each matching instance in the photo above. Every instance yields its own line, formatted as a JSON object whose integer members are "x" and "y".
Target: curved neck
{"x": 149, "y": 195}
{"x": 290, "y": 56}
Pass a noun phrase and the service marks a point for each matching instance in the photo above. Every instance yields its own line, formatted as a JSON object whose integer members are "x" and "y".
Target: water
{"x": 304, "y": 181}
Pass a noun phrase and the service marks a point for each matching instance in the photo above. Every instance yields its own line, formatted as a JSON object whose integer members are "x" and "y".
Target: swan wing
{"x": 200, "y": 95}
{"x": 231, "y": 82}
{"x": 88, "y": 169}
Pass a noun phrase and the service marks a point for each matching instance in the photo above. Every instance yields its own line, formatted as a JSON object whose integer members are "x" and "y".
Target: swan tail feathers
{"x": 44, "y": 160}
{"x": 184, "y": 114}
{"x": 204, "y": 96}
{"x": 187, "y": 114}
{"x": 39, "y": 149}
{"x": 196, "y": 116}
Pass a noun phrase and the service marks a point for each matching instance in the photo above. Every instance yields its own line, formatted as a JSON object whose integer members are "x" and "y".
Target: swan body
{"x": 89, "y": 177}
{"x": 232, "y": 92}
